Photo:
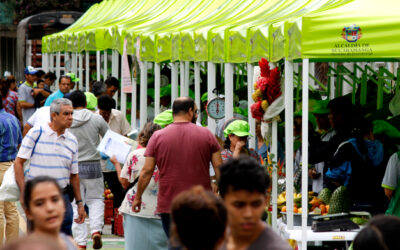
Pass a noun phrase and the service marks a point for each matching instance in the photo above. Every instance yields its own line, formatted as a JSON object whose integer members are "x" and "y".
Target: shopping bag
{"x": 9, "y": 190}
{"x": 394, "y": 205}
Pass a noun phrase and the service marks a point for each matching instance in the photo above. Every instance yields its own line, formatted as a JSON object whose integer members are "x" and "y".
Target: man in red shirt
{"x": 182, "y": 152}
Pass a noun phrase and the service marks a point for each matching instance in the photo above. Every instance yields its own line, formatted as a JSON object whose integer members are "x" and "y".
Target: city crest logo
{"x": 352, "y": 33}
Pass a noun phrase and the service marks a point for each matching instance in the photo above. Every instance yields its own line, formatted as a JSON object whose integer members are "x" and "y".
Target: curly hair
{"x": 146, "y": 133}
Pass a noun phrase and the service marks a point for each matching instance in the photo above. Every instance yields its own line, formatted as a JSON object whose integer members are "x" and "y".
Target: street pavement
{"x": 110, "y": 241}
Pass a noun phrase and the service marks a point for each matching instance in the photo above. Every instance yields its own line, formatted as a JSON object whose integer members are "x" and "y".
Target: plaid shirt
{"x": 10, "y": 136}
{"x": 10, "y": 102}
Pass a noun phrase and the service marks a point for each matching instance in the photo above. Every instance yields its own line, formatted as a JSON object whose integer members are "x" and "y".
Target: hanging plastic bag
{"x": 9, "y": 190}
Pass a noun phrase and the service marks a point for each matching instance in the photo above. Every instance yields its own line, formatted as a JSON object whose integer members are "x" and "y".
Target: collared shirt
{"x": 25, "y": 95}
{"x": 118, "y": 122}
{"x": 56, "y": 95}
{"x": 40, "y": 117}
{"x": 10, "y": 102}
{"x": 10, "y": 136}
{"x": 55, "y": 155}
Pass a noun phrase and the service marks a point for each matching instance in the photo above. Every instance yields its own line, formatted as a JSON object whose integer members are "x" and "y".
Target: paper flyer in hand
{"x": 116, "y": 144}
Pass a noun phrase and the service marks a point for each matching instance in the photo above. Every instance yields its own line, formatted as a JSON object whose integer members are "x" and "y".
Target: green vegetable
{"x": 339, "y": 202}
{"x": 325, "y": 195}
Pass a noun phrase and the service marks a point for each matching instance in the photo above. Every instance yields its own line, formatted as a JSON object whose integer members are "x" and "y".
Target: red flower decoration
{"x": 264, "y": 67}
{"x": 262, "y": 83}
{"x": 274, "y": 86}
{"x": 257, "y": 111}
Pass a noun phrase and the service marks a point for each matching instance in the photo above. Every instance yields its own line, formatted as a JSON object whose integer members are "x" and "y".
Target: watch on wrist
{"x": 79, "y": 202}
{"x": 214, "y": 181}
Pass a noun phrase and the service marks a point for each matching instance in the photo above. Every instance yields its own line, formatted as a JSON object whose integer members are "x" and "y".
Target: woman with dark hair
{"x": 45, "y": 208}
{"x": 380, "y": 234}
{"x": 143, "y": 230}
{"x": 198, "y": 212}
{"x": 9, "y": 97}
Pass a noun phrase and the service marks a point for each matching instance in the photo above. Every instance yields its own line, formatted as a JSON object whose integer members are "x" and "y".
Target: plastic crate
{"x": 108, "y": 211}
{"x": 118, "y": 223}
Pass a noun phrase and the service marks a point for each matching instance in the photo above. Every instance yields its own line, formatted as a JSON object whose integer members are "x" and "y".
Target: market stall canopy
{"x": 236, "y": 31}
{"x": 357, "y": 29}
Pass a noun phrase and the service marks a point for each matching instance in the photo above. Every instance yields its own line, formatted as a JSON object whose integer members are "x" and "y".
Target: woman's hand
{"x": 114, "y": 160}
{"x": 137, "y": 204}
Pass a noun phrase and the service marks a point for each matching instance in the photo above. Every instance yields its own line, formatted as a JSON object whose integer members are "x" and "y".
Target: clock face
{"x": 216, "y": 108}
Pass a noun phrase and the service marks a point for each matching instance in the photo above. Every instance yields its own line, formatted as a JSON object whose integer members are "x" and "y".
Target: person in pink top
{"x": 182, "y": 152}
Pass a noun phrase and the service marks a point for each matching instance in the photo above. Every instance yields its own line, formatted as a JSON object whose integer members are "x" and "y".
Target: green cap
{"x": 91, "y": 101}
{"x": 383, "y": 127}
{"x": 238, "y": 128}
{"x": 321, "y": 107}
{"x": 166, "y": 91}
{"x": 165, "y": 118}
{"x": 240, "y": 111}
{"x": 311, "y": 117}
{"x": 204, "y": 97}
{"x": 73, "y": 77}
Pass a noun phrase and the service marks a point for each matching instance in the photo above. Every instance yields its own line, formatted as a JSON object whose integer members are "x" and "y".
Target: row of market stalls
{"x": 190, "y": 34}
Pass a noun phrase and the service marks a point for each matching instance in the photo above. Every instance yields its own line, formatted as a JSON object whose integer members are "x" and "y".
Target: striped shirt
{"x": 54, "y": 156}
{"x": 10, "y": 136}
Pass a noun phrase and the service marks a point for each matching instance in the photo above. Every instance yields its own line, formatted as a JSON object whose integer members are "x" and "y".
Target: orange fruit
{"x": 323, "y": 208}
{"x": 327, "y": 208}
{"x": 284, "y": 209}
{"x": 295, "y": 210}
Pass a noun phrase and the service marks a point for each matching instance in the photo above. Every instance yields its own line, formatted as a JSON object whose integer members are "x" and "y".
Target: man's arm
{"x": 144, "y": 180}
{"x": 216, "y": 161}
{"x": 19, "y": 176}
{"x": 27, "y": 127}
{"x": 26, "y": 105}
{"x": 74, "y": 180}
{"x": 388, "y": 193}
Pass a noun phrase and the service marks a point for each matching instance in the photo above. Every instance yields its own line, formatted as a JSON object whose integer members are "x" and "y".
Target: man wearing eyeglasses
{"x": 64, "y": 85}
{"x": 182, "y": 152}
{"x": 53, "y": 151}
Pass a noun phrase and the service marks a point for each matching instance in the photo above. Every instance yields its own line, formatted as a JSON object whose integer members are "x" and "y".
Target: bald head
{"x": 182, "y": 105}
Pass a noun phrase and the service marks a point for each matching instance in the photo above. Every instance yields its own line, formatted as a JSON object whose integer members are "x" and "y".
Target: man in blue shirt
{"x": 64, "y": 85}
{"x": 10, "y": 138}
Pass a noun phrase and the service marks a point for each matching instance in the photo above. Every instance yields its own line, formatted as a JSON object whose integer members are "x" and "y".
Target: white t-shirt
{"x": 41, "y": 117}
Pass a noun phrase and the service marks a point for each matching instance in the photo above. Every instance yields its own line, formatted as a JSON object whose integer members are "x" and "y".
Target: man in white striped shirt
{"x": 53, "y": 151}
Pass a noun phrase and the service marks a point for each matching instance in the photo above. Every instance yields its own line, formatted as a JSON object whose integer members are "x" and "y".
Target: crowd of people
{"x": 182, "y": 187}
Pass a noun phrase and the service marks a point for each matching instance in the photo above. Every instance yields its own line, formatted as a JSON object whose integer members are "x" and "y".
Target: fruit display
{"x": 325, "y": 195}
{"x": 108, "y": 195}
{"x": 339, "y": 202}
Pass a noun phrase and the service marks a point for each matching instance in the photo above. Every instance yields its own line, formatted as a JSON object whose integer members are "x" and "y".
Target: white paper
{"x": 114, "y": 144}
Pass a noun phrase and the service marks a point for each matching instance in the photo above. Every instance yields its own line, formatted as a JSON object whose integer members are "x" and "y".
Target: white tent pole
{"x": 117, "y": 56}
{"x": 332, "y": 82}
{"x": 174, "y": 82}
{"x": 66, "y": 61}
{"x": 304, "y": 155}
{"x": 182, "y": 78}
{"x": 211, "y": 78}
{"x": 58, "y": 67}
{"x": 197, "y": 87}
{"x": 250, "y": 89}
{"x": 157, "y": 79}
{"x": 80, "y": 71}
{"x": 289, "y": 140}
{"x": 186, "y": 82}
{"x": 51, "y": 68}
{"x": 134, "y": 97}
{"x": 87, "y": 70}
{"x": 74, "y": 65}
{"x": 228, "y": 91}
{"x": 105, "y": 57}
{"x": 143, "y": 94}
{"x": 45, "y": 62}
{"x": 274, "y": 151}
{"x": 98, "y": 65}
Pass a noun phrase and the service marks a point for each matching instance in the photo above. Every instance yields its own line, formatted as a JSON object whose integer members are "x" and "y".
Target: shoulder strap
{"x": 36, "y": 141}
{"x": 340, "y": 145}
